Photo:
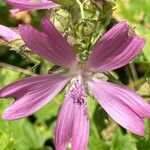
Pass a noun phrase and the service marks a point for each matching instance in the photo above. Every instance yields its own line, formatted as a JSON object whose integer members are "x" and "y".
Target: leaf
{"x": 144, "y": 90}
{"x": 123, "y": 141}
{"x": 6, "y": 141}
{"x": 97, "y": 144}
{"x": 96, "y": 141}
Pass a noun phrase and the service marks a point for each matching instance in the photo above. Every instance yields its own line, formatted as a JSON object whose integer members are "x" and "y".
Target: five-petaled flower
{"x": 115, "y": 49}
{"x": 22, "y": 5}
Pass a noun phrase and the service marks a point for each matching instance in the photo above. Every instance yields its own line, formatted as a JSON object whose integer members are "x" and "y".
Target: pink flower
{"x": 22, "y": 5}
{"x": 115, "y": 49}
{"x": 8, "y": 34}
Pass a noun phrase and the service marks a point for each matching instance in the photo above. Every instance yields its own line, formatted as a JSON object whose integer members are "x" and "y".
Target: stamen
{"x": 78, "y": 93}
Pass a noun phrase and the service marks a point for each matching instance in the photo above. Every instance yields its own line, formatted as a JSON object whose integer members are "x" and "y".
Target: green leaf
{"x": 6, "y": 141}
{"x": 123, "y": 141}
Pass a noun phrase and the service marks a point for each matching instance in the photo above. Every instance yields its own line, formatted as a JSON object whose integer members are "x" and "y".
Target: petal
{"x": 8, "y": 34}
{"x": 119, "y": 104}
{"x": 40, "y": 44}
{"x": 64, "y": 125}
{"x": 80, "y": 133}
{"x": 30, "y": 5}
{"x": 73, "y": 121}
{"x": 127, "y": 96}
{"x": 32, "y": 94}
{"x": 115, "y": 49}
{"x": 59, "y": 43}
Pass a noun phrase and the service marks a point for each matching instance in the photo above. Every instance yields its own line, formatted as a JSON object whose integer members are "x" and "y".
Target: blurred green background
{"x": 36, "y": 132}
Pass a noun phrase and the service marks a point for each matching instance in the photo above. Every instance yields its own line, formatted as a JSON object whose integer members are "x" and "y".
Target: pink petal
{"x": 40, "y": 44}
{"x": 73, "y": 122}
{"x": 32, "y": 94}
{"x": 123, "y": 105}
{"x": 80, "y": 132}
{"x": 15, "y": 10}
{"x": 130, "y": 98}
{"x": 115, "y": 49}
{"x": 8, "y": 34}
{"x": 63, "y": 131}
{"x": 30, "y": 5}
{"x": 59, "y": 43}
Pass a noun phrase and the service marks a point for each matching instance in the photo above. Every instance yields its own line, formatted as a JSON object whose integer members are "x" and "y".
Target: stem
{"x": 8, "y": 66}
{"x": 133, "y": 71}
{"x": 93, "y": 41}
{"x": 94, "y": 130}
{"x": 81, "y": 8}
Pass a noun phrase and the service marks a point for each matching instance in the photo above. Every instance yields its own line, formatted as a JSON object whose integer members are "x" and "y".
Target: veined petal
{"x": 73, "y": 122}
{"x": 59, "y": 43}
{"x": 115, "y": 49}
{"x": 128, "y": 97}
{"x": 8, "y": 34}
{"x": 119, "y": 104}
{"x": 32, "y": 94}
{"x": 80, "y": 132}
{"x": 40, "y": 44}
{"x": 64, "y": 124}
{"x": 30, "y": 5}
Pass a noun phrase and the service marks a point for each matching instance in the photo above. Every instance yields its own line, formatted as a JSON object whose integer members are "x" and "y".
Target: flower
{"x": 115, "y": 49}
{"x": 8, "y": 34}
{"x": 23, "y": 5}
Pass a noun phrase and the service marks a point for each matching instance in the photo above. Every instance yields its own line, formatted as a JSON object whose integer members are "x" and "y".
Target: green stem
{"x": 133, "y": 71}
{"x": 94, "y": 40}
{"x": 81, "y": 8}
{"x": 94, "y": 130}
{"x": 8, "y": 66}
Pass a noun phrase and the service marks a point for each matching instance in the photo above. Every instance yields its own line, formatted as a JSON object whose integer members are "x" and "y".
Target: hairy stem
{"x": 8, "y": 66}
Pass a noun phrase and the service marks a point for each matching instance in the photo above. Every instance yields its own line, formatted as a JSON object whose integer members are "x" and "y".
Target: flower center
{"x": 78, "y": 69}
